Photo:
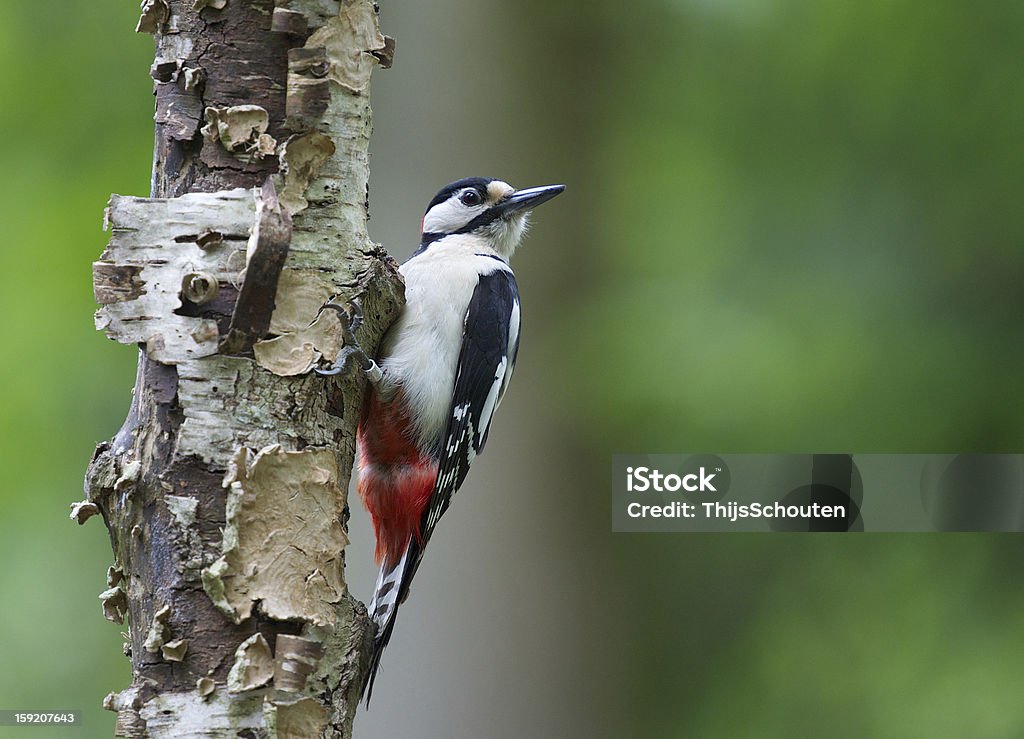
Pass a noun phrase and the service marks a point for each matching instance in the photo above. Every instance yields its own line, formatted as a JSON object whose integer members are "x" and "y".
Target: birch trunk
{"x": 225, "y": 490}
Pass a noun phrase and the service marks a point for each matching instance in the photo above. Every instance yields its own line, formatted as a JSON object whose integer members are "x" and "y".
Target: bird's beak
{"x": 528, "y": 198}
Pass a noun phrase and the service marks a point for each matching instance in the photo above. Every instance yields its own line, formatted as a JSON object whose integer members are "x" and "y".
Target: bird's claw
{"x": 350, "y": 323}
{"x": 341, "y": 363}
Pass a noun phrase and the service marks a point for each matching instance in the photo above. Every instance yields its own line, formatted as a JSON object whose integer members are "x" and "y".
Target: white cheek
{"x": 441, "y": 218}
{"x": 448, "y": 216}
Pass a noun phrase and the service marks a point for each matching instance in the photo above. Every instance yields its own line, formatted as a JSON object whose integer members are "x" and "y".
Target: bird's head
{"x": 486, "y": 209}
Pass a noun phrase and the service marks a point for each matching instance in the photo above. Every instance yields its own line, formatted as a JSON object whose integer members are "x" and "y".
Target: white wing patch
{"x": 491, "y": 403}
{"x": 513, "y": 346}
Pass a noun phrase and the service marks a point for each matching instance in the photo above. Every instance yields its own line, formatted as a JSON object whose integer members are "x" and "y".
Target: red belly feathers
{"x": 395, "y": 479}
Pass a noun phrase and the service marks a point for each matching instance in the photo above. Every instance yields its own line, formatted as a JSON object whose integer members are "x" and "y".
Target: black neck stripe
{"x": 426, "y": 240}
{"x": 488, "y": 216}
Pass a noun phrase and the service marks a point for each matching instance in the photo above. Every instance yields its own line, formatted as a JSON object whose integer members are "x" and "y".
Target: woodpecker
{"x": 441, "y": 371}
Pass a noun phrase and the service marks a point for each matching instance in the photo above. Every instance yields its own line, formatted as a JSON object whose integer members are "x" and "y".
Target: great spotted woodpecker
{"x": 442, "y": 369}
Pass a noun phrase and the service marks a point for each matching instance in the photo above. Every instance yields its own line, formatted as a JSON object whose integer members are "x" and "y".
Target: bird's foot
{"x": 351, "y": 353}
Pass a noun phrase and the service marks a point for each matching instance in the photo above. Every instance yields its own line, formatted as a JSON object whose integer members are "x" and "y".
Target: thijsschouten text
{"x": 732, "y": 511}
{"x": 645, "y": 479}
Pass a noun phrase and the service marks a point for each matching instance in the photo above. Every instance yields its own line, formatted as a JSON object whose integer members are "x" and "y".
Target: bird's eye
{"x": 470, "y": 198}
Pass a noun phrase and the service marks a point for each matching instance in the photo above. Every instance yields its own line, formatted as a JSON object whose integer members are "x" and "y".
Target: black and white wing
{"x": 489, "y": 345}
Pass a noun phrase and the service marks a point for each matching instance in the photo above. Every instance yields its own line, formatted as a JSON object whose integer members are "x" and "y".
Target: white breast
{"x": 421, "y": 350}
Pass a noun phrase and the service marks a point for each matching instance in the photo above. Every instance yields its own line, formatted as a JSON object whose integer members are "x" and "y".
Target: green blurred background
{"x": 789, "y": 226}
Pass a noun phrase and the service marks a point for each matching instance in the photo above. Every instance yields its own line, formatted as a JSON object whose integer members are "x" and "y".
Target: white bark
{"x": 224, "y": 492}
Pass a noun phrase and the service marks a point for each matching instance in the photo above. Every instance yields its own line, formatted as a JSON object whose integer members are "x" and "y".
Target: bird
{"x": 440, "y": 373}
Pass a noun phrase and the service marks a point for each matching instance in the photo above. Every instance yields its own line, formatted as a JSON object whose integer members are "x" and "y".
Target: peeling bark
{"x": 284, "y": 538}
{"x": 224, "y": 490}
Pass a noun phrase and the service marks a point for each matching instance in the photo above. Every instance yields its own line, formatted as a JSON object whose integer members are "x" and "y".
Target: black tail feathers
{"x": 391, "y": 591}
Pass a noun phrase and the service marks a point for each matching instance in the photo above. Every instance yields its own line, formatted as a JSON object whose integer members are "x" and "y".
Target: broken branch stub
{"x": 265, "y": 258}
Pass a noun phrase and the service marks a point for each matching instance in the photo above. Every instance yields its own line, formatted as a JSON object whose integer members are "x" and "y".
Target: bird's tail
{"x": 391, "y": 590}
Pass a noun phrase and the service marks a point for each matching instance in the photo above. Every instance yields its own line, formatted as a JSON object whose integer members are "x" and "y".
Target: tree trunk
{"x": 225, "y": 490}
